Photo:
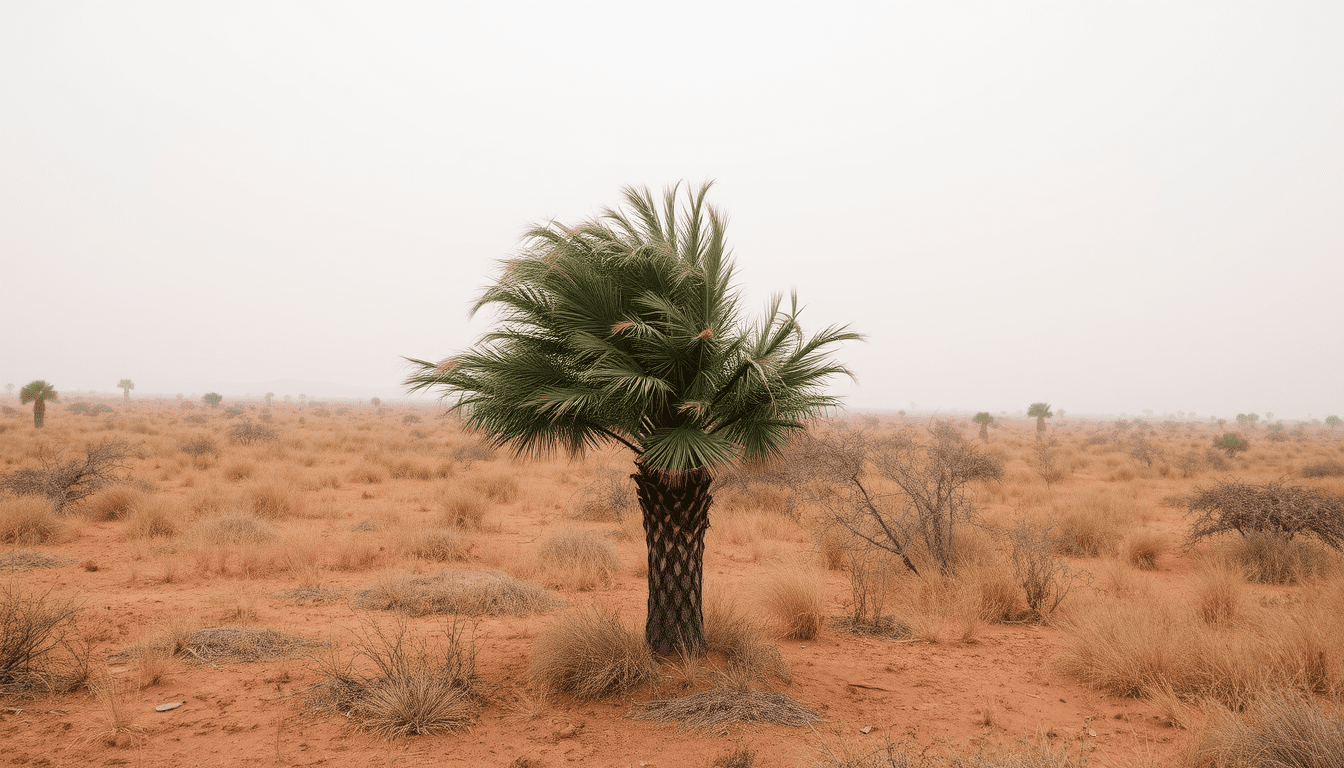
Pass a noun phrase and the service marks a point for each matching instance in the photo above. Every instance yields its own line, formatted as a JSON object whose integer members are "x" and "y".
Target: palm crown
{"x": 626, "y": 328}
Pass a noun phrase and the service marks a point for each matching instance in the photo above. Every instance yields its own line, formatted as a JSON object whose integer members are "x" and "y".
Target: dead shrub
{"x": 1282, "y": 729}
{"x": 1045, "y": 580}
{"x": 578, "y": 559}
{"x": 1275, "y": 509}
{"x": 41, "y": 651}
{"x": 471, "y": 593}
{"x": 66, "y": 483}
{"x": 400, "y": 682}
{"x": 28, "y": 521}
{"x": 244, "y": 644}
{"x": 590, "y": 653}
{"x": 607, "y": 499}
{"x": 795, "y": 599}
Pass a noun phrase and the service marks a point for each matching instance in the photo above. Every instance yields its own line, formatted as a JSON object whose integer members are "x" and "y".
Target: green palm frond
{"x": 626, "y": 328}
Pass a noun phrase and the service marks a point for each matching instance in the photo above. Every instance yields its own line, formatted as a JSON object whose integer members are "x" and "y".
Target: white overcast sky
{"x": 1106, "y": 206}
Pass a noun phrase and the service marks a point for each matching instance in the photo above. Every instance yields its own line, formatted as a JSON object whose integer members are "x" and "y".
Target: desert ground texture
{"x": 305, "y": 580}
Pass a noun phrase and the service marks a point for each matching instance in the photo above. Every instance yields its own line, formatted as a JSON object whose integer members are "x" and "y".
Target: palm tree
{"x": 1042, "y": 412}
{"x": 126, "y": 385}
{"x": 38, "y": 393}
{"x": 625, "y": 329}
{"x": 984, "y": 419}
{"x": 269, "y": 396}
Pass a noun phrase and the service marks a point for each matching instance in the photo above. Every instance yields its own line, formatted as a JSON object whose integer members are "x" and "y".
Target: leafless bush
{"x": 608, "y": 498}
{"x": 1043, "y": 576}
{"x": 929, "y": 476}
{"x": 1045, "y": 459}
{"x": 40, "y": 651}
{"x": 248, "y": 433}
{"x": 67, "y": 482}
{"x": 1274, "y": 508}
{"x": 1142, "y": 450}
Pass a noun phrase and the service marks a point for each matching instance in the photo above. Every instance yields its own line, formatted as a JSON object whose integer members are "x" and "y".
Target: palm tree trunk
{"x": 39, "y": 412}
{"x": 984, "y": 432}
{"x": 1040, "y": 423}
{"x": 676, "y": 516}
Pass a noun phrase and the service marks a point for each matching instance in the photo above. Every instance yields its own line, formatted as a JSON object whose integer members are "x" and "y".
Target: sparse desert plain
{"x": 348, "y": 584}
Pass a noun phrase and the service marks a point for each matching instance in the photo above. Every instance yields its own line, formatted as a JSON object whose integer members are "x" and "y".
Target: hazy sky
{"x": 1107, "y": 206}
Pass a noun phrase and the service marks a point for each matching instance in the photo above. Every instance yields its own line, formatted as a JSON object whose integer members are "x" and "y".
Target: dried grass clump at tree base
{"x": 399, "y": 682}
{"x": 471, "y": 593}
{"x": 590, "y": 653}
{"x": 741, "y": 638}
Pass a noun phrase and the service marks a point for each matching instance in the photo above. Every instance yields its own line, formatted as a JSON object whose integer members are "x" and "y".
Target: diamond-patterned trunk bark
{"x": 676, "y": 516}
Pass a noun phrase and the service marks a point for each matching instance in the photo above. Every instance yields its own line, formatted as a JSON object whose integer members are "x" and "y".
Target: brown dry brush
{"x": 67, "y": 482}
{"x": 590, "y": 653}
{"x": 399, "y": 682}
{"x": 41, "y": 651}
{"x": 931, "y": 475}
{"x": 1275, "y": 508}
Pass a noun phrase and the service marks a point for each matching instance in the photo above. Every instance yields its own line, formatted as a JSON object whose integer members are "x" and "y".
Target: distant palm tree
{"x": 38, "y": 393}
{"x": 1042, "y": 412}
{"x": 984, "y": 419}
{"x": 126, "y": 385}
{"x": 269, "y": 397}
{"x": 625, "y": 329}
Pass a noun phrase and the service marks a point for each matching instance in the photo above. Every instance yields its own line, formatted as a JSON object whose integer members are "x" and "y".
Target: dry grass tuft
{"x": 1219, "y": 594}
{"x": 463, "y": 508}
{"x": 499, "y": 487}
{"x": 29, "y": 520}
{"x": 271, "y": 500}
{"x": 113, "y": 503}
{"x": 438, "y": 544}
{"x": 795, "y": 599}
{"x": 1281, "y": 729}
{"x": 471, "y": 593}
{"x": 1267, "y": 558}
{"x": 402, "y": 683}
{"x": 727, "y": 705}
{"x": 1142, "y": 549}
{"x": 741, "y": 638}
{"x": 591, "y": 654}
{"x": 151, "y": 518}
{"x": 580, "y": 559}
{"x": 234, "y": 528}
